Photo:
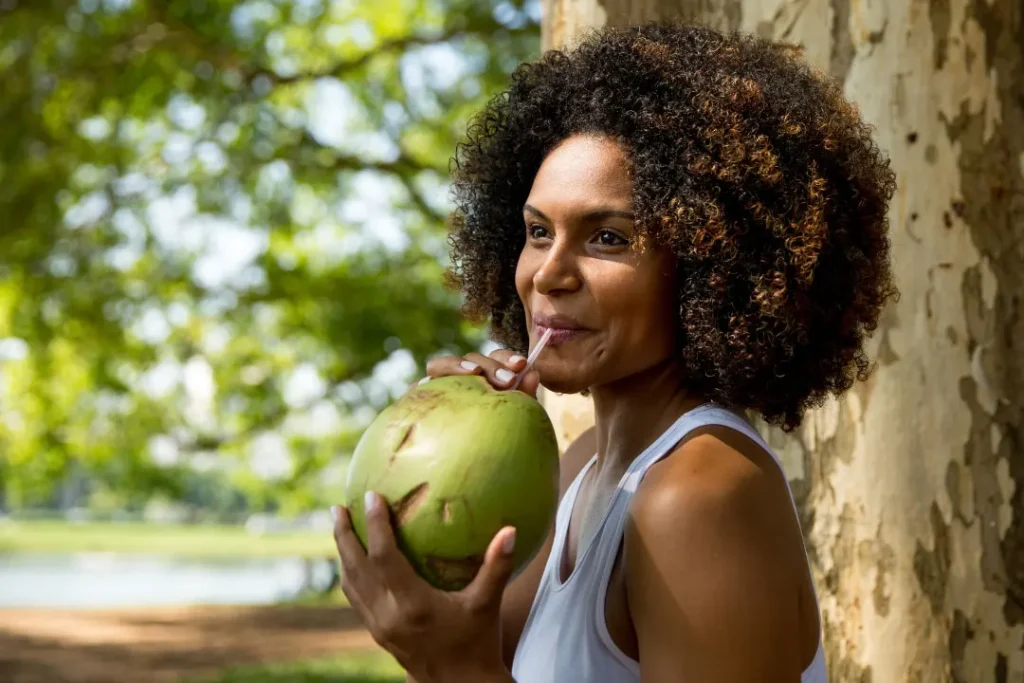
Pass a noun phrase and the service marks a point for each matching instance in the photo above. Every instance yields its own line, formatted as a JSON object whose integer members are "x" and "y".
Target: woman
{"x": 701, "y": 220}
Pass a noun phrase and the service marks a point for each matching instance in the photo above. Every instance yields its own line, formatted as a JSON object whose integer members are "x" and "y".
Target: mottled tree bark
{"x": 911, "y": 487}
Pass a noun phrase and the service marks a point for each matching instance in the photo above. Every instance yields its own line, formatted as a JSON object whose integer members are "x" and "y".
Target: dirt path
{"x": 166, "y": 644}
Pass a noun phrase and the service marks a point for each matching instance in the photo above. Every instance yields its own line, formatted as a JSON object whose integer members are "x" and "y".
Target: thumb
{"x": 487, "y": 587}
{"x": 530, "y": 383}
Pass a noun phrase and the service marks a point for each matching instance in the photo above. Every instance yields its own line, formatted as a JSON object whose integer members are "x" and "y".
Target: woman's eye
{"x": 610, "y": 239}
{"x": 536, "y": 232}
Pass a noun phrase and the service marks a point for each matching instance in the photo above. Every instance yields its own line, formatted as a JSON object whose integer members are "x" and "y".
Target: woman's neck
{"x": 631, "y": 413}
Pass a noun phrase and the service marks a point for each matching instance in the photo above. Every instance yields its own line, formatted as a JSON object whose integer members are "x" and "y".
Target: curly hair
{"x": 748, "y": 165}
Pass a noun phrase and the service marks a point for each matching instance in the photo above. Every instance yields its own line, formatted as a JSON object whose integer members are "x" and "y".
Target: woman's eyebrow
{"x": 590, "y": 216}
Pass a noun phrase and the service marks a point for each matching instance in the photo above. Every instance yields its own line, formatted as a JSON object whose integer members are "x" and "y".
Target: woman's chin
{"x": 563, "y": 385}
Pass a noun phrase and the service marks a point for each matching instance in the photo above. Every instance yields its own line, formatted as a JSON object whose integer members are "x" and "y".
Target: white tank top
{"x": 566, "y": 638}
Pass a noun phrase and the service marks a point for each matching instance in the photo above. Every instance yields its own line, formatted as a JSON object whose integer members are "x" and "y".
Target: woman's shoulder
{"x": 715, "y": 475}
{"x": 721, "y": 497}
{"x": 713, "y": 551}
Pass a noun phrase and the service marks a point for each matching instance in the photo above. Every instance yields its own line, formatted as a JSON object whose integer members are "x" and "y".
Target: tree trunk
{"x": 911, "y": 487}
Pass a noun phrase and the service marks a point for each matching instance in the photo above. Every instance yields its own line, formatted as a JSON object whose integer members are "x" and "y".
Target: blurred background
{"x": 222, "y": 243}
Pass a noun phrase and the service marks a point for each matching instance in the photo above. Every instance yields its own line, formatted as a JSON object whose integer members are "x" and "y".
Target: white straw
{"x": 533, "y": 356}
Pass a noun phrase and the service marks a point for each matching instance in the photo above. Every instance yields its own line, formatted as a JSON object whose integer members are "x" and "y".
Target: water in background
{"x": 98, "y": 580}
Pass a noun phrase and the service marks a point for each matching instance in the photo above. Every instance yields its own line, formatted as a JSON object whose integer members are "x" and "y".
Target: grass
{"x": 362, "y": 667}
{"x": 335, "y": 598}
{"x": 139, "y": 537}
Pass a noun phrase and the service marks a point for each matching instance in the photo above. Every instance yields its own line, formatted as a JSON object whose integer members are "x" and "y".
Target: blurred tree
{"x": 222, "y": 240}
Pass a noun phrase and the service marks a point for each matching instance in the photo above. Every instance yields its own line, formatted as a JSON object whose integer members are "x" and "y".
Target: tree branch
{"x": 420, "y": 201}
{"x": 401, "y": 166}
{"x": 270, "y": 422}
{"x": 227, "y": 57}
{"x": 395, "y": 44}
{"x": 167, "y": 29}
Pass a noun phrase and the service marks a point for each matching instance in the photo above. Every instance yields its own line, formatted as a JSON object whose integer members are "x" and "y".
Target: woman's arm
{"x": 713, "y": 568}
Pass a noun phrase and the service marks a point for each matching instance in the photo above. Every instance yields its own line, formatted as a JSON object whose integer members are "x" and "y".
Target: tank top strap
{"x": 665, "y": 444}
{"x": 566, "y": 635}
{"x": 564, "y": 513}
{"x": 562, "y": 518}
{"x": 703, "y": 415}
{"x": 609, "y": 540}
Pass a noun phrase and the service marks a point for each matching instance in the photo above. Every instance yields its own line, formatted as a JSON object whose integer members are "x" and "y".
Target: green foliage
{"x": 223, "y": 230}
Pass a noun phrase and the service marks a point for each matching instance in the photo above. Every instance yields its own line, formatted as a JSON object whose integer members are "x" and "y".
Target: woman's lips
{"x": 561, "y": 335}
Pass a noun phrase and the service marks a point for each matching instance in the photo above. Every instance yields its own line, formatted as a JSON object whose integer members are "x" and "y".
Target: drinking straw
{"x": 533, "y": 356}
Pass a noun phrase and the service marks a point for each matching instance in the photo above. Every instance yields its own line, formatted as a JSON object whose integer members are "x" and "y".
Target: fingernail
{"x": 509, "y": 544}
{"x": 504, "y": 376}
{"x": 424, "y": 380}
{"x": 369, "y": 501}
{"x": 469, "y": 365}
{"x": 515, "y": 359}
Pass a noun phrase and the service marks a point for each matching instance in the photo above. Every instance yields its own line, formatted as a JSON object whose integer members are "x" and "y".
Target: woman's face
{"x": 610, "y": 308}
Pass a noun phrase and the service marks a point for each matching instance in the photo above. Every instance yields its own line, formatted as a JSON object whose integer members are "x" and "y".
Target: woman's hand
{"x": 437, "y": 636}
{"x": 500, "y": 369}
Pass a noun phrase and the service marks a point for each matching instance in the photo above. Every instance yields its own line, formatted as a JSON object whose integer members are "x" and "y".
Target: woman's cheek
{"x": 524, "y": 279}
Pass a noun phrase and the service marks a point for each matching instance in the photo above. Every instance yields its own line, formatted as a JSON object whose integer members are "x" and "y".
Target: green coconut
{"x": 457, "y": 460}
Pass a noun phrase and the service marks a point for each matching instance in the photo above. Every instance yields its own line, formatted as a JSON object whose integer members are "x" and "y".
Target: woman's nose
{"x": 559, "y": 272}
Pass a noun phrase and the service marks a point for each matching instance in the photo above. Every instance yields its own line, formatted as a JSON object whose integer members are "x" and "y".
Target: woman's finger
{"x": 486, "y": 589}
{"x": 530, "y": 383}
{"x": 516, "y": 362}
{"x": 500, "y": 367}
{"x": 418, "y": 383}
{"x": 512, "y": 360}
{"x": 389, "y": 564}
{"x": 499, "y": 376}
{"x": 355, "y": 599}
{"x": 442, "y": 366}
{"x": 497, "y": 373}
{"x": 350, "y": 550}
